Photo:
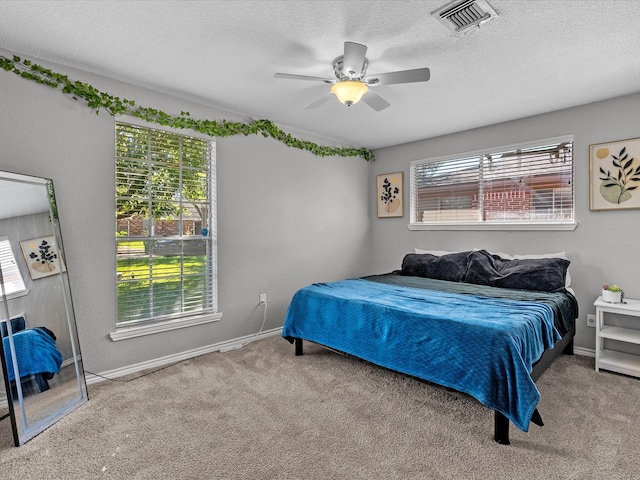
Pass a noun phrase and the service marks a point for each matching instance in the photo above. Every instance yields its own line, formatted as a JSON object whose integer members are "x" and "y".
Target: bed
{"x": 477, "y": 322}
{"x": 36, "y": 353}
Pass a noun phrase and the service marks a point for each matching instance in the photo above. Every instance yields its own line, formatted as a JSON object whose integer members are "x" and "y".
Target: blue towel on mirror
{"x": 36, "y": 352}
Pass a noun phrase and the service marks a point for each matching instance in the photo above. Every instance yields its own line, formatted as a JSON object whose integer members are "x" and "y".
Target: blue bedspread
{"x": 482, "y": 346}
{"x": 36, "y": 352}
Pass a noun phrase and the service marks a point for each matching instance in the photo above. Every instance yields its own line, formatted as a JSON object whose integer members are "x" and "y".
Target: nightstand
{"x": 612, "y": 360}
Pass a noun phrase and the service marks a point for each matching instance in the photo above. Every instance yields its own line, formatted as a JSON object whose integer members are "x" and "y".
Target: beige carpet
{"x": 262, "y": 413}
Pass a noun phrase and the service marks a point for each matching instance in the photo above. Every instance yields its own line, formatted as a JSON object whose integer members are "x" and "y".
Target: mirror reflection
{"x": 42, "y": 366}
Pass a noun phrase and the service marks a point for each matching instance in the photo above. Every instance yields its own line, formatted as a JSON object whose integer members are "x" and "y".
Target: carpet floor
{"x": 260, "y": 412}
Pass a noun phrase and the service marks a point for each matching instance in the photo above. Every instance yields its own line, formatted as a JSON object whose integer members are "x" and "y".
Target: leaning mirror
{"x": 41, "y": 362}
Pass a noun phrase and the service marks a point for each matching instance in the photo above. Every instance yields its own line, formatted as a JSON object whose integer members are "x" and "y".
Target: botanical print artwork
{"x": 615, "y": 175}
{"x": 41, "y": 255}
{"x": 389, "y": 190}
{"x": 389, "y": 194}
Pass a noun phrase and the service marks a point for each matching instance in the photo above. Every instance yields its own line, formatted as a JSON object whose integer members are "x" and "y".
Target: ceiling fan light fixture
{"x": 349, "y": 92}
{"x": 351, "y": 83}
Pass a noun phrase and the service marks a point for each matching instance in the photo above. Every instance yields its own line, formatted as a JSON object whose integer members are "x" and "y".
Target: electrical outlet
{"x": 591, "y": 320}
{"x": 263, "y": 299}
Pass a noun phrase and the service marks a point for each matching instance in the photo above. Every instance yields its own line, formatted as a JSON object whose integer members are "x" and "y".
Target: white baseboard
{"x": 587, "y": 352}
{"x": 225, "y": 346}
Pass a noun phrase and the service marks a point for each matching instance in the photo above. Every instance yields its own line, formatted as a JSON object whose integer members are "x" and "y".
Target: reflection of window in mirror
{"x": 13, "y": 282}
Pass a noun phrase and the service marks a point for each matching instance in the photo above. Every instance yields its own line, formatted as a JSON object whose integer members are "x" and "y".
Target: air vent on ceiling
{"x": 461, "y": 15}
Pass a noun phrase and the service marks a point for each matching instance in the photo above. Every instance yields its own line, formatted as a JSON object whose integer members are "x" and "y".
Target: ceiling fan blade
{"x": 292, "y": 76}
{"x": 354, "y": 56}
{"x": 404, "y": 76}
{"x": 321, "y": 101}
{"x": 375, "y": 101}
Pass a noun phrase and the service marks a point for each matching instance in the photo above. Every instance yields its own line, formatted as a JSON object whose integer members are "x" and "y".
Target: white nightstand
{"x": 609, "y": 359}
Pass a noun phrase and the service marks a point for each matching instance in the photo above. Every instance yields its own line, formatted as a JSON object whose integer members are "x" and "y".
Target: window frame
{"x": 180, "y": 319}
{"x": 494, "y": 225}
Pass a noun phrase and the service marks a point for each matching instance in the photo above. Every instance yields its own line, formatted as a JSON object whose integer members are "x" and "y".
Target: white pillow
{"x": 437, "y": 253}
{"x": 541, "y": 255}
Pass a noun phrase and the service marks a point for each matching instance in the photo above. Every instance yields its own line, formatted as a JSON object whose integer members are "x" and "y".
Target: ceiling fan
{"x": 352, "y": 83}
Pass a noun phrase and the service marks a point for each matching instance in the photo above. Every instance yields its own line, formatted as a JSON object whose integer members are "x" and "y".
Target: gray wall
{"x": 286, "y": 218}
{"x": 601, "y": 249}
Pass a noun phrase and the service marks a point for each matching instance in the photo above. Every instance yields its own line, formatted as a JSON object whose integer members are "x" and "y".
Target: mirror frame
{"x": 25, "y": 426}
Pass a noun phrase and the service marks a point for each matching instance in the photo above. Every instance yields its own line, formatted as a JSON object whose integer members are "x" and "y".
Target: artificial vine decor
{"x": 97, "y": 100}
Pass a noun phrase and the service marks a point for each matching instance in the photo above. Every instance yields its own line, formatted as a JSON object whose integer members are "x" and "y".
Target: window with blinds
{"x": 165, "y": 225}
{"x": 529, "y": 184}
{"x": 12, "y": 281}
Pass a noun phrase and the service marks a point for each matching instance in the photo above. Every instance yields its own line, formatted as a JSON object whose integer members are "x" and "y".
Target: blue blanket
{"x": 482, "y": 346}
{"x": 36, "y": 352}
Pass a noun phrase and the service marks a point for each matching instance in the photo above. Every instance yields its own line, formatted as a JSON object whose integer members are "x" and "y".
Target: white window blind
{"x": 526, "y": 184}
{"x": 165, "y": 225}
{"x": 12, "y": 279}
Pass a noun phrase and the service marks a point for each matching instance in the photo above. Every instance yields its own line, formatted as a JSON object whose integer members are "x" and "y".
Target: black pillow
{"x": 483, "y": 268}
{"x": 451, "y": 267}
{"x": 542, "y": 274}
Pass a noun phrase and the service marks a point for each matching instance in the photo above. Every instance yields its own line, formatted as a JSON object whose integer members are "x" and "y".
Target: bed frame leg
{"x": 299, "y": 350}
{"x": 568, "y": 350}
{"x": 536, "y": 418}
{"x": 501, "y": 429}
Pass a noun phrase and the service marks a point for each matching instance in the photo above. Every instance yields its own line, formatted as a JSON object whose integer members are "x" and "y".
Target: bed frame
{"x": 501, "y": 423}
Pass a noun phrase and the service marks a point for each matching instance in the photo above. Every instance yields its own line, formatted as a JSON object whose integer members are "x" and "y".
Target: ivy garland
{"x": 97, "y": 100}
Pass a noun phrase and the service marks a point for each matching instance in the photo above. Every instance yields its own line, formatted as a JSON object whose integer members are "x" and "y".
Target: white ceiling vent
{"x": 461, "y": 15}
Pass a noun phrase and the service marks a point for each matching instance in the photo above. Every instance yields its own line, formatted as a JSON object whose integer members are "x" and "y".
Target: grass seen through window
{"x": 152, "y": 285}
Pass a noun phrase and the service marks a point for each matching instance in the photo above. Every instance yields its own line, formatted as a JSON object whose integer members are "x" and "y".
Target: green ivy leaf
{"x": 97, "y": 101}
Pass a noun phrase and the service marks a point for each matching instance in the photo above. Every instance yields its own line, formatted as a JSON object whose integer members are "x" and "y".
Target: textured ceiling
{"x": 537, "y": 56}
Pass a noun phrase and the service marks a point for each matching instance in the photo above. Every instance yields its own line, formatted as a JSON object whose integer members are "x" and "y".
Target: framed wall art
{"x": 614, "y": 175}
{"x": 390, "y": 195}
{"x": 42, "y": 257}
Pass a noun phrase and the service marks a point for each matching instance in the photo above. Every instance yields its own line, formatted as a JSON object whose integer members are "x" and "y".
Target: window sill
{"x": 493, "y": 226}
{"x": 19, "y": 293}
{"x": 141, "y": 330}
